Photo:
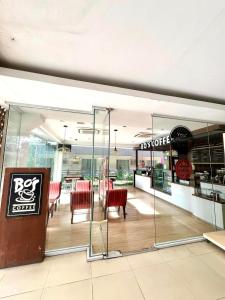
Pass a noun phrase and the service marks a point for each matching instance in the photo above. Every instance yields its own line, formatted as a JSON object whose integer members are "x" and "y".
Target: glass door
{"x": 100, "y": 182}
{"x": 183, "y": 175}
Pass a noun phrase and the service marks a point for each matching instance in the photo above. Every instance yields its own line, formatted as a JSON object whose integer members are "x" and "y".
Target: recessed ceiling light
{"x": 124, "y": 126}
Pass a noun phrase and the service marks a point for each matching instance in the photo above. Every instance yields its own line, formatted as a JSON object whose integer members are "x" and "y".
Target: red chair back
{"x": 80, "y": 200}
{"x": 54, "y": 190}
{"x": 106, "y": 184}
{"x": 83, "y": 185}
{"x": 116, "y": 197}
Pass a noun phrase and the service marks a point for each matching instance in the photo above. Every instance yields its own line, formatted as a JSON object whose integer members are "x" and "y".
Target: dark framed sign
{"x": 181, "y": 139}
{"x": 25, "y": 194}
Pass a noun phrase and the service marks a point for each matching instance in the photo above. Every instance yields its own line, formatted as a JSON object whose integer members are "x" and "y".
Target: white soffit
{"x": 38, "y": 89}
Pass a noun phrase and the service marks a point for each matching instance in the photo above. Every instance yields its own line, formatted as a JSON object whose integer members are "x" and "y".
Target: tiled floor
{"x": 190, "y": 272}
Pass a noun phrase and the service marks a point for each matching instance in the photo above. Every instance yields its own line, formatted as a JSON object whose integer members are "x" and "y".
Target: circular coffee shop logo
{"x": 181, "y": 139}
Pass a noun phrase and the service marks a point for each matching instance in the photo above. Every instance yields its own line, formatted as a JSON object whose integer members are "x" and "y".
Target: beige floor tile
{"x": 145, "y": 259}
{"x": 203, "y": 281}
{"x": 36, "y": 295}
{"x": 2, "y": 272}
{"x": 201, "y": 248}
{"x": 23, "y": 279}
{"x": 119, "y": 286}
{"x": 216, "y": 261}
{"x": 81, "y": 290}
{"x": 68, "y": 268}
{"x": 172, "y": 253}
{"x": 109, "y": 266}
{"x": 158, "y": 282}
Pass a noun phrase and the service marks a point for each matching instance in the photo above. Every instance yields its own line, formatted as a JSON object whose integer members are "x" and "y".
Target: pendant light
{"x": 115, "y": 149}
{"x": 63, "y": 148}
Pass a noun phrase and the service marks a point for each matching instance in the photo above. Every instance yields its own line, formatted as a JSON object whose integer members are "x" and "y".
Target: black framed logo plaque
{"x": 25, "y": 193}
{"x": 181, "y": 139}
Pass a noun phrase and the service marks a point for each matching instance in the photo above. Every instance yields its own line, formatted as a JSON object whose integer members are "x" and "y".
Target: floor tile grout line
{"x": 214, "y": 270}
{"x": 46, "y": 279}
{"x": 109, "y": 274}
{"x": 3, "y": 276}
{"x": 92, "y": 286}
{"x": 67, "y": 283}
{"x": 132, "y": 271}
{"x": 184, "y": 281}
{"x": 18, "y": 294}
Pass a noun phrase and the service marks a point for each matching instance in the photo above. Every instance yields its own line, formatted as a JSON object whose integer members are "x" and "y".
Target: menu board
{"x": 217, "y": 154}
{"x": 202, "y": 155}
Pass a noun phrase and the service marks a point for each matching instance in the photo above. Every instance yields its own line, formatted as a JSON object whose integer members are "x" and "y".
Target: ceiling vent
{"x": 89, "y": 130}
{"x": 143, "y": 134}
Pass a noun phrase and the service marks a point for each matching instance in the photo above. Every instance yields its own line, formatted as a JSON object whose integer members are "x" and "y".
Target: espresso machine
{"x": 220, "y": 176}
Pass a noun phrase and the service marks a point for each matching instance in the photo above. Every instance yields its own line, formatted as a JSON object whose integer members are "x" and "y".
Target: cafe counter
{"x": 184, "y": 197}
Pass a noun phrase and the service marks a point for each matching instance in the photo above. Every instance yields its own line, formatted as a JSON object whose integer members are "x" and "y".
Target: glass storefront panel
{"x": 181, "y": 209}
{"x": 34, "y": 139}
{"x": 12, "y": 137}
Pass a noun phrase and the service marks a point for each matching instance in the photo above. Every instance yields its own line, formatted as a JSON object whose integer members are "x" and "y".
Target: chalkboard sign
{"x": 217, "y": 154}
{"x": 202, "y": 155}
{"x": 24, "y": 197}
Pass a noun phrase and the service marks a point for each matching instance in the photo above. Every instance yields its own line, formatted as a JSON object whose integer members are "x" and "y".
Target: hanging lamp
{"x": 115, "y": 149}
{"x": 63, "y": 148}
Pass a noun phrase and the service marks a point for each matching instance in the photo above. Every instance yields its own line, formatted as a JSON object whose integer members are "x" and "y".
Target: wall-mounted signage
{"x": 183, "y": 169}
{"x": 161, "y": 141}
{"x": 181, "y": 139}
{"x": 24, "y": 197}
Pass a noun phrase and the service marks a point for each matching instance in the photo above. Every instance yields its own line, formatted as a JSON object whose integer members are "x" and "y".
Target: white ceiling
{"x": 50, "y": 125}
{"x": 174, "y": 47}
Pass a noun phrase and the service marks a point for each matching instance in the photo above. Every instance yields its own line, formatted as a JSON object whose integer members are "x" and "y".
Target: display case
{"x": 162, "y": 180}
{"x": 167, "y": 179}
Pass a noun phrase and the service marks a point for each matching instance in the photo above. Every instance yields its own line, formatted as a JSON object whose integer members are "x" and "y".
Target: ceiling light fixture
{"x": 63, "y": 148}
{"x": 115, "y": 149}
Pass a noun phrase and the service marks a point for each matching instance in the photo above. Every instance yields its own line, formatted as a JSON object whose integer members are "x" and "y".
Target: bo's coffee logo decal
{"x": 24, "y": 194}
{"x": 181, "y": 139}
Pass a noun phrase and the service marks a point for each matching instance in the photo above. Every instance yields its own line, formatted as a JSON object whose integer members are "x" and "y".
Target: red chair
{"x": 54, "y": 196}
{"x": 83, "y": 185}
{"x": 117, "y": 198}
{"x": 80, "y": 200}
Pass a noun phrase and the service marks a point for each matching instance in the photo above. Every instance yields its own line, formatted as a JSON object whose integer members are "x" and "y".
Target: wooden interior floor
{"x": 138, "y": 231}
